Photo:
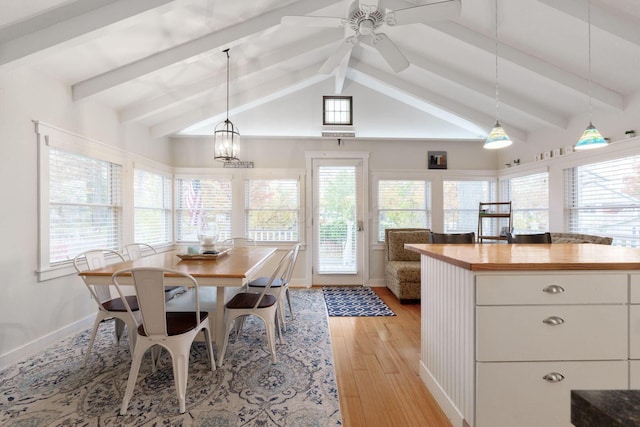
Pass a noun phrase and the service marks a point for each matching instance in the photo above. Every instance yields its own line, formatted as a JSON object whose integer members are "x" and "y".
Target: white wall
{"x": 32, "y": 311}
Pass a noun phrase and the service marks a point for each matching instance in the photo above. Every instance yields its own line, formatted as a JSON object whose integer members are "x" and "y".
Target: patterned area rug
{"x": 51, "y": 389}
{"x": 354, "y": 301}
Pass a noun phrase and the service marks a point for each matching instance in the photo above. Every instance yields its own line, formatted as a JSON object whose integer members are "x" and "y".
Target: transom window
{"x": 337, "y": 110}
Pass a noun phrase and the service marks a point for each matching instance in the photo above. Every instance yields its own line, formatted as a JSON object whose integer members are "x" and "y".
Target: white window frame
{"x": 49, "y": 136}
{"x": 166, "y": 209}
{"x": 249, "y": 210}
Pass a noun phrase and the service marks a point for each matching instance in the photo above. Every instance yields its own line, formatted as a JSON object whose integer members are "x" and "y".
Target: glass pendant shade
{"x": 590, "y": 138}
{"x": 498, "y": 138}
{"x": 226, "y": 142}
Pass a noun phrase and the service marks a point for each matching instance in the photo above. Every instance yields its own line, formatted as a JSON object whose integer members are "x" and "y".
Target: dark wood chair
{"x": 529, "y": 238}
{"x": 452, "y": 237}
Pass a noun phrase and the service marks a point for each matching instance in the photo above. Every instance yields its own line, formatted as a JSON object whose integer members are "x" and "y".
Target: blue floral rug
{"x": 354, "y": 301}
{"x": 51, "y": 389}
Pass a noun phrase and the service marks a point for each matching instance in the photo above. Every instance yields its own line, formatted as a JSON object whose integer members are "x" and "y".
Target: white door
{"x": 337, "y": 222}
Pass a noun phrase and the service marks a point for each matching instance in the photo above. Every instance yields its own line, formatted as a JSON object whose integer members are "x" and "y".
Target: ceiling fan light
{"x": 590, "y": 138}
{"x": 497, "y": 138}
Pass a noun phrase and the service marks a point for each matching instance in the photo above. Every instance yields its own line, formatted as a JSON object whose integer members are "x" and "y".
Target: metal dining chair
{"x": 108, "y": 307}
{"x": 529, "y": 238}
{"x": 173, "y": 331}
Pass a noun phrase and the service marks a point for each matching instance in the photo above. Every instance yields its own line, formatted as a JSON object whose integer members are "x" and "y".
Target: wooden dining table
{"x": 231, "y": 270}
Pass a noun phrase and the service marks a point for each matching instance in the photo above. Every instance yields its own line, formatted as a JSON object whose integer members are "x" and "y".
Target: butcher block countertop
{"x": 532, "y": 257}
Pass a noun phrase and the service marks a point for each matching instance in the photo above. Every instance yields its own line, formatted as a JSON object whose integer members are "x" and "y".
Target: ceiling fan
{"x": 365, "y": 17}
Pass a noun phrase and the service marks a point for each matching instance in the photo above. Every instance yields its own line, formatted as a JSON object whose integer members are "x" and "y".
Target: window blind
{"x": 460, "y": 204}
{"x": 202, "y": 202}
{"x": 604, "y": 199}
{"x": 152, "y": 207}
{"x": 403, "y": 204}
{"x": 529, "y": 196}
{"x": 85, "y": 205}
{"x": 272, "y": 208}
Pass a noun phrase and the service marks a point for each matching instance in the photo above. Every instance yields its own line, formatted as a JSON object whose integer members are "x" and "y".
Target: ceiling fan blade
{"x": 389, "y": 52}
{"x": 314, "y": 21}
{"x": 432, "y": 12}
{"x": 365, "y": 4}
{"x": 343, "y": 49}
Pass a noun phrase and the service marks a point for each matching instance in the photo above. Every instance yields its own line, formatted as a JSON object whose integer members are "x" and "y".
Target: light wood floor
{"x": 376, "y": 362}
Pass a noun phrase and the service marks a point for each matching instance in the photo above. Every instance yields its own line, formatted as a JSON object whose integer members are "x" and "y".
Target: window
{"x": 461, "y": 200}
{"x": 152, "y": 208}
{"x": 272, "y": 208}
{"x": 337, "y": 110}
{"x": 403, "y": 204}
{"x": 529, "y": 196}
{"x": 85, "y": 207}
{"x": 202, "y": 202}
{"x": 604, "y": 199}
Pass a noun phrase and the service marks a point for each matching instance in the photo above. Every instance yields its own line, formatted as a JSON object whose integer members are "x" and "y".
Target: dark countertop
{"x": 605, "y": 408}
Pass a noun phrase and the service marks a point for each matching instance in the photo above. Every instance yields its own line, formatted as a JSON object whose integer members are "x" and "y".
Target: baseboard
{"x": 29, "y": 349}
{"x": 447, "y": 406}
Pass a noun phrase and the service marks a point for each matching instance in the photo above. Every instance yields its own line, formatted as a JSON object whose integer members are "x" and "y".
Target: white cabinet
{"x": 538, "y": 336}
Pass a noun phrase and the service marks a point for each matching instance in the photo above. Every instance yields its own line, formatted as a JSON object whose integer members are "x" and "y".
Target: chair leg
{"x": 119, "y": 329}
{"x": 288, "y": 295}
{"x": 207, "y": 338}
{"x": 229, "y": 326}
{"x": 181, "y": 374}
{"x": 133, "y": 376}
{"x": 96, "y": 325}
{"x": 270, "y": 326}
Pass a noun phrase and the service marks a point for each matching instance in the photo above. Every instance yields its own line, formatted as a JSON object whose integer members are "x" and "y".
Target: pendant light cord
{"x": 227, "y": 52}
{"x": 497, "y": 84}
{"x": 589, "y": 56}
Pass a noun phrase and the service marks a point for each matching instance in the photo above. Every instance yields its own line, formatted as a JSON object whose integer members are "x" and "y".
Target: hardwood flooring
{"x": 376, "y": 361}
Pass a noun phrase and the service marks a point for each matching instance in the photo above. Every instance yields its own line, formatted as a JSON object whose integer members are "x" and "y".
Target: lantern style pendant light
{"x": 591, "y": 138}
{"x": 226, "y": 137}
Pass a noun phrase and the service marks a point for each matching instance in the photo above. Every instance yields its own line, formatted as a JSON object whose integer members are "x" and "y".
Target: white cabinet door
{"x": 517, "y": 394}
{"x": 550, "y": 332}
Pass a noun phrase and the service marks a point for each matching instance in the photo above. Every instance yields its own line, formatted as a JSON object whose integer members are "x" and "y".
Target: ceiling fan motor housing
{"x": 364, "y": 19}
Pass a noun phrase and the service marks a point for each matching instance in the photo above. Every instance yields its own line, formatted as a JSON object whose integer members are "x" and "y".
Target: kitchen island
{"x": 507, "y": 331}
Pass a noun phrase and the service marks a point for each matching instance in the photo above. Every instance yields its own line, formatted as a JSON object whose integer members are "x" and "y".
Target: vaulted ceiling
{"x": 160, "y": 63}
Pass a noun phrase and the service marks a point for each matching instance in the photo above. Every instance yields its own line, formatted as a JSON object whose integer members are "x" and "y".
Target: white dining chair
{"x": 262, "y": 305}
{"x": 108, "y": 306}
{"x": 135, "y": 250}
{"x": 173, "y": 331}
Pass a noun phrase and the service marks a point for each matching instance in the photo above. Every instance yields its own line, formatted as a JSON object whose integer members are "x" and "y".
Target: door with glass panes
{"x": 337, "y": 222}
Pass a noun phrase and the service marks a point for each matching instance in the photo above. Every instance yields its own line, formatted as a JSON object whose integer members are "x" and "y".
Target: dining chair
{"x": 452, "y": 237}
{"x": 108, "y": 306}
{"x": 529, "y": 238}
{"x": 173, "y": 331}
{"x": 135, "y": 250}
{"x": 279, "y": 287}
{"x": 262, "y": 305}
{"x": 239, "y": 242}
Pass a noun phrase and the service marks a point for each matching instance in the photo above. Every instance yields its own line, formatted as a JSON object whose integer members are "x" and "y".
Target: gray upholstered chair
{"x": 402, "y": 267}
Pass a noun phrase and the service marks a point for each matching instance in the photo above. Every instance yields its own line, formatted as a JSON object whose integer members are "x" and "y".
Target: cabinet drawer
{"x": 634, "y": 331}
{"x": 634, "y": 284}
{"x": 516, "y": 394}
{"x": 528, "y": 333}
{"x": 634, "y": 374}
{"x": 556, "y": 288}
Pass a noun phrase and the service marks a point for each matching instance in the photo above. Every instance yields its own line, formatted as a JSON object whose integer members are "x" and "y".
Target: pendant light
{"x": 497, "y": 138}
{"x": 226, "y": 138}
{"x": 591, "y": 138}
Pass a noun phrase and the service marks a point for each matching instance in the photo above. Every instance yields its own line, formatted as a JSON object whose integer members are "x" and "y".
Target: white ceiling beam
{"x": 542, "y": 113}
{"x": 341, "y": 74}
{"x": 65, "y": 23}
{"x": 430, "y": 102}
{"x": 239, "y": 102}
{"x": 604, "y": 17}
{"x": 228, "y": 36}
{"x": 525, "y": 60}
{"x": 204, "y": 87}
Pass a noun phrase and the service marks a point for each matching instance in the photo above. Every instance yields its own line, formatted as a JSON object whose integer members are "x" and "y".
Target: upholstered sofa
{"x": 402, "y": 267}
{"x": 580, "y": 238}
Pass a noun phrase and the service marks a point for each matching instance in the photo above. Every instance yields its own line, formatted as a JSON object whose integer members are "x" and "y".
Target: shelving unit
{"x": 494, "y": 216}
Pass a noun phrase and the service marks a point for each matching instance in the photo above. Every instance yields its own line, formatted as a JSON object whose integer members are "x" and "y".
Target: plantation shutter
{"x": 85, "y": 205}
{"x": 604, "y": 199}
{"x": 152, "y": 208}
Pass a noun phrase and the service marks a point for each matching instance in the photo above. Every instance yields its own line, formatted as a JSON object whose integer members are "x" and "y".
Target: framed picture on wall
{"x": 437, "y": 159}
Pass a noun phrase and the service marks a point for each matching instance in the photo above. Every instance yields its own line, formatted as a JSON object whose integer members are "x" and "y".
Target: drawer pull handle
{"x": 553, "y": 320}
{"x": 553, "y": 289}
{"x": 553, "y": 377}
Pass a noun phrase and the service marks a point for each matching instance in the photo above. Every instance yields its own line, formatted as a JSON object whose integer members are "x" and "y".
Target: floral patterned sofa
{"x": 580, "y": 238}
{"x": 402, "y": 267}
